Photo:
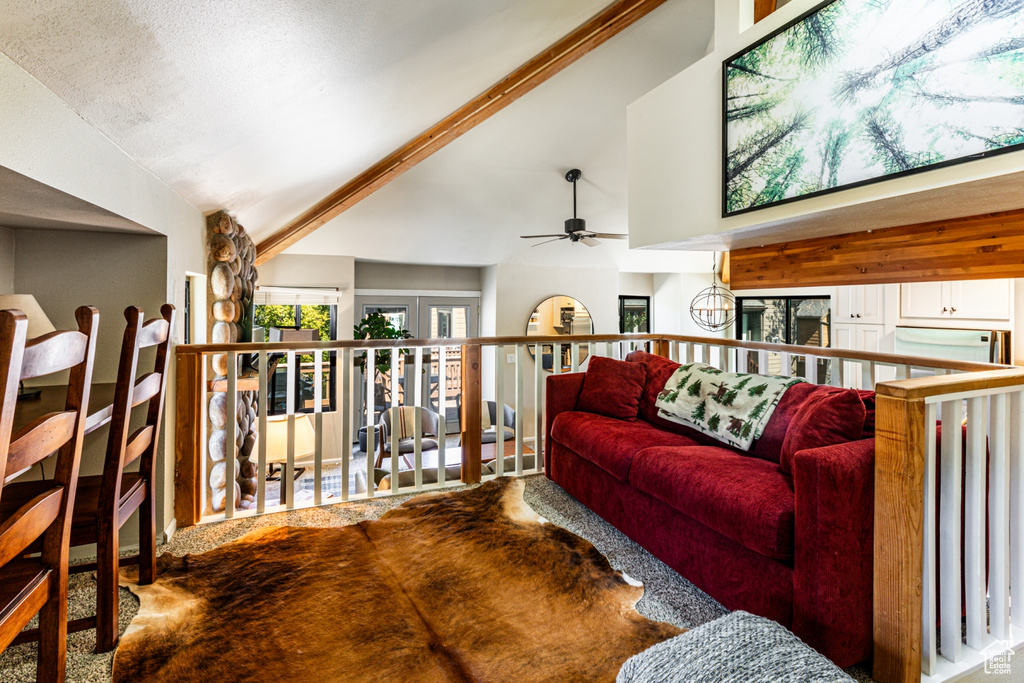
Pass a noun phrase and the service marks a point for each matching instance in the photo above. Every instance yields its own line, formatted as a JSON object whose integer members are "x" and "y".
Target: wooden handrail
{"x": 281, "y": 347}
{"x": 869, "y": 356}
{"x": 926, "y": 387}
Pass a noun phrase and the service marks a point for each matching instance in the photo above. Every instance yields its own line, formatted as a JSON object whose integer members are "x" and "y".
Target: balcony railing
{"x": 913, "y": 395}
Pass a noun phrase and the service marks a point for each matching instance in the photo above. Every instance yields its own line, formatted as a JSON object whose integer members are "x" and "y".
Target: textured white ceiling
{"x": 265, "y": 107}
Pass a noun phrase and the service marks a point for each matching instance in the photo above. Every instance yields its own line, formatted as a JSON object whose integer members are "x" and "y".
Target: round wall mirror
{"x": 559, "y": 316}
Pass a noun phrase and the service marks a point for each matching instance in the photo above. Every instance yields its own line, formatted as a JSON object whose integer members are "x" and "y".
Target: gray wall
{"x": 66, "y": 269}
{"x": 374, "y": 275}
{"x": 7, "y": 261}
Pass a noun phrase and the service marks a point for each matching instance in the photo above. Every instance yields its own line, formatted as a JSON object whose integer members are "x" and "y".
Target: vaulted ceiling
{"x": 264, "y": 108}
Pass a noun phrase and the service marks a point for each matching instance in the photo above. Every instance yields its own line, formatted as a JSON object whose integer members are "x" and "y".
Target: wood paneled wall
{"x": 973, "y": 248}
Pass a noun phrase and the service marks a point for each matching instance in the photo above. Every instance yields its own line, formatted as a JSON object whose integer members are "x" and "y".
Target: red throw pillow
{"x": 612, "y": 388}
{"x": 825, "y": 418}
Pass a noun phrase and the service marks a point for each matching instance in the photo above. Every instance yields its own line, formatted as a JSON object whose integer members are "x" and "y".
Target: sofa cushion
{"x": 746, "y": 499}
{"x": 659, "y": 369}
{"x": 609, "y": 443}
{"x": 770, "y": 445}
{"x": 612, "y": 388}
{"x": 825, "y": 418}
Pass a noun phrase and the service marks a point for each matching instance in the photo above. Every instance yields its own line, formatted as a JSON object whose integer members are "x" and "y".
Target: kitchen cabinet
{"x": 948, "y": 304}
{"x": 860, "y": 304}
{"x": 862, "y": 337}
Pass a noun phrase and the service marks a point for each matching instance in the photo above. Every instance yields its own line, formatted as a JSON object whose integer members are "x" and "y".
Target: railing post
{"x": 662, "y": 347}
{"x": 898, "y": 546}
{"x": 188, "y": 444}
{"x": 471, "y": 401}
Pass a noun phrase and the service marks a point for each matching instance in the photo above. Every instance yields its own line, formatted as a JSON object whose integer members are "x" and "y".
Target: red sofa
{"x": 783, "y": 531}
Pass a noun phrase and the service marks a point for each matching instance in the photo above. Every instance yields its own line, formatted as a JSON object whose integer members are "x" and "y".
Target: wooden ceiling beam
{"x": 607, "y": 24}
{"x": 973, "y": 248}
{"x": 762, "y": 8}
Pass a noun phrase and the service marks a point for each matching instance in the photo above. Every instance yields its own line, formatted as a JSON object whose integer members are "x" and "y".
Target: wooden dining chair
{"x": 105, "y": 502}
{"x": 40, "y": 510}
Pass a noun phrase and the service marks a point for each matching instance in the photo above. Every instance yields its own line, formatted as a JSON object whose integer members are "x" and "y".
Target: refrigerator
{"x": 979, "y": 346}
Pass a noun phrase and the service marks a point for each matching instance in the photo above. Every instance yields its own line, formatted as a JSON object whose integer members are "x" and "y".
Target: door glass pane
{"x": 447, "y": 322}
{"x": 398, "y": 316}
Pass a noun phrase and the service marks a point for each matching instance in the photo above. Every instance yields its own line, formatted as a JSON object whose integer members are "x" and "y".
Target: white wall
{"x": 673, "y": 293}
{"x": 7, "y": 261}
{"x": 675, "y": 161}
{"x": 636, "y": 284}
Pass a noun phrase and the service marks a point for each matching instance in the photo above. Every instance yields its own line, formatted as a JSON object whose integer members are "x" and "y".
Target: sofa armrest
{"x": 561, "y": 395}
{"x": 833, "y": 559}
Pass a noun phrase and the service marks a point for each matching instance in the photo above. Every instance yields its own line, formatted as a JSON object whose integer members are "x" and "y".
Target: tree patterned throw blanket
{"x": 730, "y": 406}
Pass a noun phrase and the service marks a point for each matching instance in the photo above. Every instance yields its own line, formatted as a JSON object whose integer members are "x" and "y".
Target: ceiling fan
{"x": 576, "y": 228}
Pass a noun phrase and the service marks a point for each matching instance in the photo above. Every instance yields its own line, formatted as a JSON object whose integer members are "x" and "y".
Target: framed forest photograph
{"x": 858, "y": 91}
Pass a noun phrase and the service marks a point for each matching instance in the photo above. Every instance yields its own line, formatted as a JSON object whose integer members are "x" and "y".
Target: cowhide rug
{"x": 465, "y": 586}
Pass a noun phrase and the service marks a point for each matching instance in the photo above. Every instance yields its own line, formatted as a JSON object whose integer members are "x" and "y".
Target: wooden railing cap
{"x": 925, "y": 387}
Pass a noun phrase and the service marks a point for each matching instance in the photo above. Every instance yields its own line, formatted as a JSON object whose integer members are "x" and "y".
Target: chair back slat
{"x": 154, "y": 332}
{"x": 131, "y": 392}
{"x": 29, "y": 523}
{"x": 140, "y": 440}
{"x": 147, "y": 387}
{"x": 52, "y": 353}
{"x": 40, "y": 439}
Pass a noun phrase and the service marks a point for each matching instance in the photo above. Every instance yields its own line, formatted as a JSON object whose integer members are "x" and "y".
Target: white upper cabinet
{"x": 860, "y": 304}
{"x": 961, "y": 302}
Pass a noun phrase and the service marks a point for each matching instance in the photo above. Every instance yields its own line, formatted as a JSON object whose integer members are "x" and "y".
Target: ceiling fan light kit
{"x": 714, "y": 308}
{"x": 575, "y": 227}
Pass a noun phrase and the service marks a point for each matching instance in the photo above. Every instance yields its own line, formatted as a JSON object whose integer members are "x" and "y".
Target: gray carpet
{"x": 667, "y": 596}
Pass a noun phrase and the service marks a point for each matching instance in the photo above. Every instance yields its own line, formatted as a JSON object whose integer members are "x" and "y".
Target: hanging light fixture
{"x": 714, "y": 308}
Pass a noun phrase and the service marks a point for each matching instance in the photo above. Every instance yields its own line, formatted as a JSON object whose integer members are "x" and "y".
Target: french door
{"x": 429, "y": 317}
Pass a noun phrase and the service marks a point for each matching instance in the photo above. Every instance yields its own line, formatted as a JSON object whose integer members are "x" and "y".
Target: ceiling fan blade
{"x": 533, "y": 237}
{"x": 589, "y": 241}
{"x": 562, "y": 237}
{"x": 610, "y": 236}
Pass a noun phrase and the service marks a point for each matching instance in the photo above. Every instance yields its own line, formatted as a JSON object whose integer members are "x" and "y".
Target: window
{"x": 320, "y": 317}
{"x": 802, "y": 321}
{"x": 634, "y": 314}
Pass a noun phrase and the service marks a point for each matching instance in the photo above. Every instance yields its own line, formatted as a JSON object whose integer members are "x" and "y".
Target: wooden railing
{"x": 499, "y": 368}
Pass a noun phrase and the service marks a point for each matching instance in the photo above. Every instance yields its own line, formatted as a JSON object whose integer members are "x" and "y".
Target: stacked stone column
{"x": 232, "y": 283}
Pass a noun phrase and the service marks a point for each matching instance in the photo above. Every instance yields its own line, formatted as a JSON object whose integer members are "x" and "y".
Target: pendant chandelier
{"x": 714, "y": 308}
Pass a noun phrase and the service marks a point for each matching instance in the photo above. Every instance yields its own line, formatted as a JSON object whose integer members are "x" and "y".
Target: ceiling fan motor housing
{"x": 575, "y": 225}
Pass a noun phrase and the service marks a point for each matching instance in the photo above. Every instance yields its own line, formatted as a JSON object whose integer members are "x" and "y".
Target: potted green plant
{"x": 377, "y": 325}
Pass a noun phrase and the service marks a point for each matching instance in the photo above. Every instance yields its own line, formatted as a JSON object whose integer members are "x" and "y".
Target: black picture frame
{"x": 861, "y": 183}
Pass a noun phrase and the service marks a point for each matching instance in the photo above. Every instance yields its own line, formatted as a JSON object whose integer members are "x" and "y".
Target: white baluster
{"x": 288, "y": 472}
{"x": 974, "y": 521}
{"x": 371, "y": 427}
{"x": 950, "y": 498}
{"x": 231, "y": 429}
{"x": 318, "y": 424}
{"x": 345, "y": 413}
{"x": 261, "y": 407}
{"x": 442, "y": 407}
{"x": 999, "y": 519}
{"x": 499, "y": 410}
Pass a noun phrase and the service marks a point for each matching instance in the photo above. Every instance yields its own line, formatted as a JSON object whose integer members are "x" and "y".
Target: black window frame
{"x": 332, "y": 364}
{"x": 789, "y": 314}
{"x": 622, "y": 311}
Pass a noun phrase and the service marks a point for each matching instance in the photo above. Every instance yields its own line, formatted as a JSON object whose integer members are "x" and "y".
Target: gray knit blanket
{"x": 739, "y": 647}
